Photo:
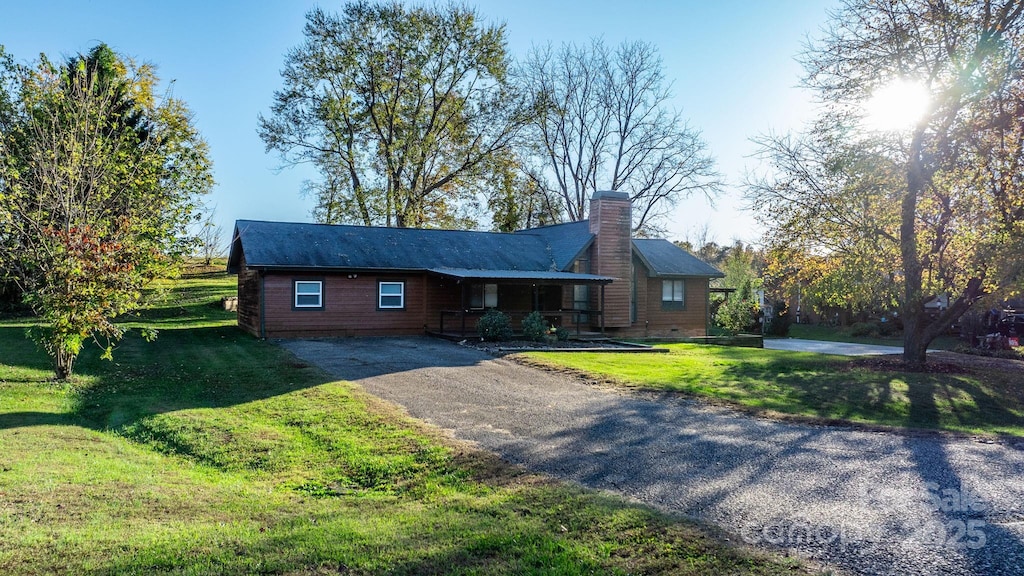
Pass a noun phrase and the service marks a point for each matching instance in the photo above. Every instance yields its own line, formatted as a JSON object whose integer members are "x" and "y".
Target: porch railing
{"x": 464, "y": 321}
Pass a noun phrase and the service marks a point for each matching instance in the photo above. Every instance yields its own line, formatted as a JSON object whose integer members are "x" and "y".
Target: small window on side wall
{"x": 673, "y": 294}
{"x": 391, "y": 295}
{"x": 309, "y": 294}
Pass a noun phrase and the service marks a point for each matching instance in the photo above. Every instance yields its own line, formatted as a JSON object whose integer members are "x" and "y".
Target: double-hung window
{"x": 309, "y": 294}
{"x": 673, "y": 294}
{"x": 390, "y": 295}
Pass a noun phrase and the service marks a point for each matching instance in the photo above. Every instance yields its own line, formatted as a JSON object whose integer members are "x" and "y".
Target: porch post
{"x": 707, "y": 307}
{"x": 462, "y": 312}
{"x": 602, "y": 308}
{"x": 536, "y": 297}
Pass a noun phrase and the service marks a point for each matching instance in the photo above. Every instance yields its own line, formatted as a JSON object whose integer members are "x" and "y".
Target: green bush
{"x": 562, "y": 334}
{"x": 494, "y": 326}
{"x": 738, "y": 313}
{"x": 534, "y": 327}
{"x": 886, "y": 328}
{"x": 778, "y": 324}
{"x": 864, "y": 329}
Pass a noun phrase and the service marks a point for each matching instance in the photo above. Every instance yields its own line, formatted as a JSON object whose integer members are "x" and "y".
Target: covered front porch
{"x": 517, "y": 293}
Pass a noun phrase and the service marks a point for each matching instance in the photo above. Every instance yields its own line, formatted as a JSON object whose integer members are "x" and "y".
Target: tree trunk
{"x": 915, "y": 344}
{"x": 63, "y": 363}
{"x": 914, "y": 321}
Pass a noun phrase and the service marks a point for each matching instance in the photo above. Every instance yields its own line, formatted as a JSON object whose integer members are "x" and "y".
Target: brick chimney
{"x": 611, "y": 254}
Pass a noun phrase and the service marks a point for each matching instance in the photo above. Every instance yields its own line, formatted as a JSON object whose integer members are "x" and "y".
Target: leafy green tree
{"x": 742, "y": 265}
{"x": 515, "y": 200}
{"x": 739, "y": 311}
{"x": 399, "y": 109}
{"x": 951, "y": 180}
{"x": 98, "y": 183}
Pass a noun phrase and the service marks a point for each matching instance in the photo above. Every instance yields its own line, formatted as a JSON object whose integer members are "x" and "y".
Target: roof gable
{"x": 566, "y": 241}
{"x": 663, "y": 258}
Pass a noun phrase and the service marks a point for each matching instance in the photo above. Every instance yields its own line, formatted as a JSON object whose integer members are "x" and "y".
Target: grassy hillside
{"x": 210, "y": 452}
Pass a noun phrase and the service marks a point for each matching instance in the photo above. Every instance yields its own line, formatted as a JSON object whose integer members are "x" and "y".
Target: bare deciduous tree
{"x": 210, "y": 237}
{"x": 604, "y": 122}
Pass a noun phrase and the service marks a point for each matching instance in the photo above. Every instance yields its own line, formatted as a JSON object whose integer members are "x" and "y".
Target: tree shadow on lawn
{"x": 223, "y": 367}
{"x": 182, "y": 369}
{"x": 856, "y": 391}
{"x": 211, "y": 367}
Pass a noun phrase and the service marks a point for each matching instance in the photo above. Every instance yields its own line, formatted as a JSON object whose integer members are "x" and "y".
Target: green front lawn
{"x": 209, "y": 452}
{"x": 871, "y": 391}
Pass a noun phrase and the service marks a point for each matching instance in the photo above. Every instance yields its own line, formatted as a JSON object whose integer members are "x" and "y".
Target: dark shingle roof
{"x": 566, "y": 241}
{"x": 664, "y": 258}
{"x": 287, "y": 245}
{"x": 309, "y": 246}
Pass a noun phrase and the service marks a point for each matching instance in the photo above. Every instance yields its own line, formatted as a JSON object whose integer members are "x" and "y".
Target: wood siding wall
{"x": 652, "y": 321}
{"x": 248, "y": 299}
{"x": 442, "y": 294}
{"x": 350, "y": 307}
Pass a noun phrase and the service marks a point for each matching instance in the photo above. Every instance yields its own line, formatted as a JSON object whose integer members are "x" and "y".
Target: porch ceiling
{"x": 522, "y": 276}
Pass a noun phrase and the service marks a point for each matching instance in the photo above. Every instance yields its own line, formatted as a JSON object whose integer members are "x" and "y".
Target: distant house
{"x": 307, "y": 280}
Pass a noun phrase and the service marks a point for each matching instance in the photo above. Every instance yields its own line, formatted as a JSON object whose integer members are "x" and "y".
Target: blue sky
{"x": 731, "y": 63}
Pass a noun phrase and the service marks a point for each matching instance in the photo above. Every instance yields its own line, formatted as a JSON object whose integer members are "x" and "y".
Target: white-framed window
{"x": 483, "y": 296}
{"x": 673, "y": 293}
{"x": 309, "y": 294}
{"x": 390, "y": 295}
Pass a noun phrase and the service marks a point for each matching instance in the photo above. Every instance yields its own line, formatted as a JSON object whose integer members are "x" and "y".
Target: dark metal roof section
{"x": 285, "y": 245}
{"x": 524, "y": 275}
{"x": 612, "y": 194}
{"x": 567, "y": 241}
{"x": 664, "y": 258}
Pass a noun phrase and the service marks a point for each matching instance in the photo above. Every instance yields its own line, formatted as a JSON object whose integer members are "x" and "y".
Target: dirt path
{"x": 872, "y": 503}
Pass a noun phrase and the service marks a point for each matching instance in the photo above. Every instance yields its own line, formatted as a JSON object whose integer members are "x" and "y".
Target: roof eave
{"x": 339, "y": 269}
{"x": 669, "y": 275}
{"x": 526, "y": 278}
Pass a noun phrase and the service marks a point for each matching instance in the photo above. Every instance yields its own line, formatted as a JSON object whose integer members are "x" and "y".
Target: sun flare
{"x": 897, "y": 106}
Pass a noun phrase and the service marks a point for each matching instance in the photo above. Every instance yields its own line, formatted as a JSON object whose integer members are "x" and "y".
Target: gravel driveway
{"x": 822, "y": 347}
{"x": 871, "y": 503}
